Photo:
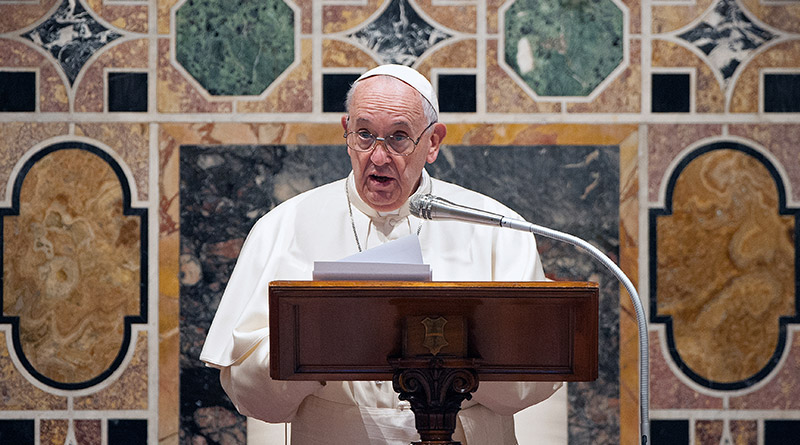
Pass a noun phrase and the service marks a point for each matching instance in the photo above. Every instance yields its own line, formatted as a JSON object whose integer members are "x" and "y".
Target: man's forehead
{"x": 407, "y": 75}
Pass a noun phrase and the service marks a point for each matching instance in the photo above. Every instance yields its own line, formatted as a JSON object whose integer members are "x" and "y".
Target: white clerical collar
{"x": 402, "y": 212}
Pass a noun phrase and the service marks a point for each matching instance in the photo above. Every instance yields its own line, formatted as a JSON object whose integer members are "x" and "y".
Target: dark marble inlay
{"x": 127, "y": 91}
{"x": 127, "y": 431}
{"x": 781, "y": 432}
{"x": 727, "y": 36}
{"x": 671, "y": 93}
{"x": 72, "y": 36}
{"x": 782, "y": 93}
{"x": 334, "y": 91}
{"x": 672, "y": 432}
{"x": 18, "y": 432}
{"x": 17, "y": 91}
{"x": 399, "y": 34}
{"x": 457, "y": 93}
{"x": 224, "y": 189}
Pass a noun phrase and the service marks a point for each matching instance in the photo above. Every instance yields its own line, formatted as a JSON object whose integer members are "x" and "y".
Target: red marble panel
{"x": 23, "y": 15}
{"x": 745, "y": 97}
{"x": 19, "y": 394}
{"x": 52, "y": 86}
{"x": 665, "y": 142}
{"x": 90, "y": 90}
{"x": 130, "y": 141}
{"x": 667, "y": 391}
{"x": 338, "y": 18}
{"x": 781, "y": 141}
{"x": 781, "y": 392}
{"x": 129, "y": 391}
{"x": 87, "y": 432}
{"x": 17, "y": 137}
{"x": 784, "y": 16}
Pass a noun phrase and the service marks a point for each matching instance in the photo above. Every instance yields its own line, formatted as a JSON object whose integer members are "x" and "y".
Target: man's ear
{"x": 436, "y": 138}
{"x": 344, "y": 123}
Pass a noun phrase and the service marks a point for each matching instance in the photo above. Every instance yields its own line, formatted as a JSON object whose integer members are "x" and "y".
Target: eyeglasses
{"x": 396, "y": 144}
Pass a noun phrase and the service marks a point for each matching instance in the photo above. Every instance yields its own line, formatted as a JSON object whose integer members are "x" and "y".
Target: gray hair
{"x": 427, "y": 109}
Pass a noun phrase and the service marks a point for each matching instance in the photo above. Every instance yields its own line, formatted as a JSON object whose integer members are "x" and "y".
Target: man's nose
{"x": 380, "y": 154}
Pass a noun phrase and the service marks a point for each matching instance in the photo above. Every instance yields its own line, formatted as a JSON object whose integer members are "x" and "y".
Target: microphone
{"x": 434, "y": 208}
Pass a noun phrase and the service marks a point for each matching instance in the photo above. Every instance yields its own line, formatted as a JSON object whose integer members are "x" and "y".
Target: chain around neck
{"x": 353, "y": 221}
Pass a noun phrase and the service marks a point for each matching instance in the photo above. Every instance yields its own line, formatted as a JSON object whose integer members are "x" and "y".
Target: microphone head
{"x": 420, "y": 205}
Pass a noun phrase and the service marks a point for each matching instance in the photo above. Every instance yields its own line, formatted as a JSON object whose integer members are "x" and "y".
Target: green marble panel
{"x": 563, "y": 47}
{"x": 235, "y": 47}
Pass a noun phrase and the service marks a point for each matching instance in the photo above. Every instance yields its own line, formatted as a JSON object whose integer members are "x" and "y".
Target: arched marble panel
{"x": 74, "y": 256}
{"x": 724, "y": 266}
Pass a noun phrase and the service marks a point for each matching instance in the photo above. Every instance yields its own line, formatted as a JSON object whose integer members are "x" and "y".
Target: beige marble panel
{"x": 130, "y": 141}
{"x": 623, "y": 94}
{"x": 746, "y": 92}
{"x": 176, "y": 94}
{"x": 709, "y": 95}
{"x": 18, "y": 394}
{"x": 460, "y": 54}
{"x": 130, "y": 17}
{"x": 90, "y": 93}
{"x": 52, "y": 87}
{"x": 338, "y": 18}
{"x": 725, "y": 266}
{"x": 129, "y": 391}
{"x": 339, "y": 54}
{"x": 17, "y": 137}
{"x": 461, "y": 17}
{"x": 164, "y": 9}
{"x": 292, "y": 94}
{"x": 71, "y": 266}
{"x": 667, "y": 18}
{"x": 503, "y": 94}
{"x": 664, "y": 142}
{"x": 53, "y": 431}
{"x": 784, "y": 16}
{"x": 781, "y": 140}
{"x": 23, "y": 15}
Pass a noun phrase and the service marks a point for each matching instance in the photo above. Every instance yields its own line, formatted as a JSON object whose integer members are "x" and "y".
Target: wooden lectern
{"x": 434, "y": 340}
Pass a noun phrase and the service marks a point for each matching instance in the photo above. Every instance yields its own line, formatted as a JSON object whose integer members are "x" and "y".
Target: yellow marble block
{"x": 71, "y": 266}
{"x": 132, "y": 144}
{"x": 725, "y": 266}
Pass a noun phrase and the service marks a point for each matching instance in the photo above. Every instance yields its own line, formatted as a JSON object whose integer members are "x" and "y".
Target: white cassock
{"x": 316, "y": 226}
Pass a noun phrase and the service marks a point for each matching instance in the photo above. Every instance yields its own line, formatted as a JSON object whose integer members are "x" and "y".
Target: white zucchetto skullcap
{"x": 408, "y": 75}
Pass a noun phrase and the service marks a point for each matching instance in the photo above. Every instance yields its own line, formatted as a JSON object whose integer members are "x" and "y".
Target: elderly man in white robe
{"x": 391, "y": 130}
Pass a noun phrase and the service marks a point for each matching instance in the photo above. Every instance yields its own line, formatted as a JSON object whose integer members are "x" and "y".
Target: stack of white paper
{"x": 399, "y": 260}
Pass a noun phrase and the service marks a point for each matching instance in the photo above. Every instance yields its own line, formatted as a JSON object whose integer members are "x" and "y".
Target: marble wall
{"x": 140, "y": 139}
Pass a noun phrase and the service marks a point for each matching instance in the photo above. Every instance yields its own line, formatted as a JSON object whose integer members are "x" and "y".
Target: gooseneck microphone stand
{"x": 434, "y": 208}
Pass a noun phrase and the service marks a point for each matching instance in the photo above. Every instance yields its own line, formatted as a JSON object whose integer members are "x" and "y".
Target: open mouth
{"x": 380, "y": 179}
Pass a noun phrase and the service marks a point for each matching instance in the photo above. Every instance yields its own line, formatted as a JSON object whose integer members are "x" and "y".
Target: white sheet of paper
{"x": 399, "y": 260}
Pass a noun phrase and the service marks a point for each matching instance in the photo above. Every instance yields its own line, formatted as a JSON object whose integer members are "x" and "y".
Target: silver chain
{"x": 353, "y": 221}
